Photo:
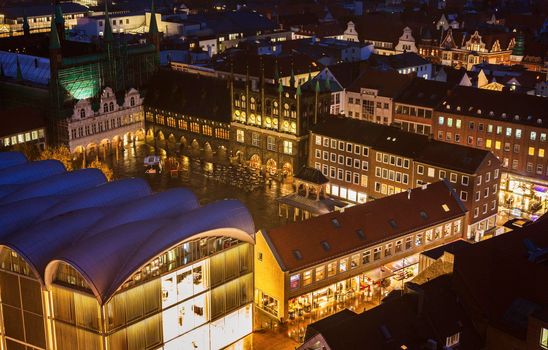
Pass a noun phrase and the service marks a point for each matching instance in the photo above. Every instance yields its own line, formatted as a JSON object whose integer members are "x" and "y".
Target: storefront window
{"x": 343, "y": 265}
{"x": 331, "y": 269}
{"x": 307, "y": 277}
{"x": 355, "y": 261}
{"x": 320, "y": 273}
{"x": 294, "y": 281}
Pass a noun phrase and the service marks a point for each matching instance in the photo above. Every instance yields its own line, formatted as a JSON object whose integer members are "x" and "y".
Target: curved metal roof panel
{"x": 109, "y": 193}
{"x": 108, "y": 259}
{"x": 159, "y": 205}
{"x": 15, "y": 216}
{"x": 9, "y": 159}
{"x": 30, "y": 172}
{"x": 62, "y": 231}
{"x": 65, "y": 183}
{"x": 97, "y": 258}
{"x": 7, "y": 189}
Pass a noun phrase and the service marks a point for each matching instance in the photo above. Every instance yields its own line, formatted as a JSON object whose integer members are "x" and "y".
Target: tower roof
{"x": 54, "y": 43}
{"x": 107, "y": 35}
{"x": 153, "y": 29}
{"x": 59, "y": 19}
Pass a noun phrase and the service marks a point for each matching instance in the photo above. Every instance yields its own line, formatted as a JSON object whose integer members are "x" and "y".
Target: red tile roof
{"x": 339, "y": 229}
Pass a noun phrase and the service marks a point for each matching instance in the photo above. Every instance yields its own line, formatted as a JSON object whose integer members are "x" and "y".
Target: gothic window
{"x": 111, "y": 106}
{"x": 105, "y": 108}
{"x": 82, "y": 113}
{"x": 132, "y": 102}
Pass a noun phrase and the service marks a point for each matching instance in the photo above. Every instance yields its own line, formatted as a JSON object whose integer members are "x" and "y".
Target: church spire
{"x": 54, "y": 43}
{"x": 26, "y": 26}
{"x": 153, "y": 28}
{"x": 292, "y": 79}
{"x": 107, "y": 34}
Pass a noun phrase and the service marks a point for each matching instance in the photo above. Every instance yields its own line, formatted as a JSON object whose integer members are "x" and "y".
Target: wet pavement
{"x": 209, "y": 180}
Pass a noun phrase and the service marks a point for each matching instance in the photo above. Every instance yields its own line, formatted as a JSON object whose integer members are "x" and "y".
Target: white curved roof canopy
{"x": 60, "y": 184}
{"x": 106, "y": 231}
{"x": 105, "y": 194}
{"x": 108, "y": 259}
{"x": 9, "y": 159}
{"x": 29, "y": 172}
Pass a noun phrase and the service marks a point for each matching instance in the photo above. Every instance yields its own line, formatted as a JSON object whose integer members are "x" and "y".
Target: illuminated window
{"x": 288, "y": 147}
{"x": 366, "y": 257}
{"x": 294, "y": 281}
{"x": 377, "y": 253}
{"x": 497, "y": 144}
{"x": 452, "y": 340}
{"x": 240, "y": 136}
{"x": 354, "y": 261}
{"x": 488, "y": 143}
{"x": 331, "y": 269}
{"x": 182, "y": 124}
{"x": 343, "y": 265}
{"x": 195, "y": 127}
{"x": 418, "y": 239}
{"x": 541, "y": 152}
{"x": 307, "y": 277}
{"x": 207, "y": 130}
{"x": 320, "y": 273}
{"x": 531, "y": 151}
{"x": 544, "y": 338}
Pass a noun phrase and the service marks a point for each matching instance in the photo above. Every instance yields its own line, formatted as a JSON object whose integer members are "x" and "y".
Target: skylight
{"x": 297, "y": 254}
{"x": 336, "y": 222}
{"x": 423, "y": 215}
{"x": 360, "y": 233}
{"x": 393, "y": 223}
{"x": 325, "y": 245}
{"x": 445, "y": 208}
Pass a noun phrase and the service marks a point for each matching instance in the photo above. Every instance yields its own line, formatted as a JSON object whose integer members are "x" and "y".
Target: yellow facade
{"x": 269, "y": 279}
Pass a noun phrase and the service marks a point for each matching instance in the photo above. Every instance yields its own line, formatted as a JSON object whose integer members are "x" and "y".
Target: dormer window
{"x": 132, "y": 101}
{"x": 479, "y": 111}
{"x": 503, "y": 115}
{"x": 516, "y": 117}
{"x": 111, "y": 106}
{"x": 491, "y": 113}
{"x": 539, "y": 121}
{"x": 458, "y": 108}
{"x": 452, "y": 340}
{"x": 82, "y": 113}
{"x": 105, "y": 108}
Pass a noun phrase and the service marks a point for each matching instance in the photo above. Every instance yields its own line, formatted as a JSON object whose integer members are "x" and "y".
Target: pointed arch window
{"x": 111, "y": 106}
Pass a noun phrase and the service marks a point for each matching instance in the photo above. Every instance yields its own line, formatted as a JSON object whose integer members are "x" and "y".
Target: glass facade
{"x": 20, "y": 304}
{"x": 197, "y": 295}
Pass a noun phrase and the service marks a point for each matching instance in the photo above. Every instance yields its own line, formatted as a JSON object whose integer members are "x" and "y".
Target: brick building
{"x": 414, "y": 107}
{"x": 270, "y": 124}
{"x": 513, "y": 127}
{"x": 366, "y": 161}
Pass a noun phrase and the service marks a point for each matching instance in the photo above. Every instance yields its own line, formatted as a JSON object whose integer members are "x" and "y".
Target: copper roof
{"x": 380, "y": 220}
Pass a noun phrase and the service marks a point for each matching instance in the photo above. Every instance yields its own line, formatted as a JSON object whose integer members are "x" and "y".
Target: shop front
{"x": 523, "y": 197}
{"x": 372, "y": 286}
